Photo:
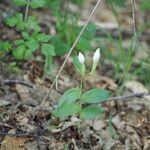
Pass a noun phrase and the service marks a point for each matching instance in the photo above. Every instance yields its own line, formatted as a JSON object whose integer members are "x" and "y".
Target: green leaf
{"x": 19, "y": 16}
{"x": 90, "y": 112}
{"x": 17, "y": 21}
{"x": 144, "y": 5}
{"x": 20, "y": 2}
{"x": 28, "y": 54}
{"x": 20, "y": 23}
{"x": 37, "y": 3}
{"x": 19, "y": 42}
{"x": 66, "y": 110}
{"x": 19, "y": 52}
{"x": 90, "y": 32}
{"x": 60, "y": 47}
{"x": 22, "y": 53}
{"x": 32, "y": 45}
{"x": 43, "y": 37}
{"x": 54, "y": 5}
{"x": 120, "y": 3}
{"x": 69, "y": 96}
{"x": 95, "y": 96}
{"x": 78, "y": 66}
{"x": 48, "y": 50}
{"x": 25, "y": 35}
{"x": 21, "y": 26}
{"x": 11, "y": 21}
{"x": 5, "y": 46}
{"x": 33, "y": 24}
{"x": 83, "y": 44}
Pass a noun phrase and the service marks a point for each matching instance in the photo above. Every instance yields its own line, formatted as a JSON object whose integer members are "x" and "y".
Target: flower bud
{"x": 96, "y": 56}
{"x": 81, "y": 58}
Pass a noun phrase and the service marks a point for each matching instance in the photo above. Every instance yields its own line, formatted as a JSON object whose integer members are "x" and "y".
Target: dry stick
{"x": 71, "y": 49}
{"x": 6, "y": 125}
{"x": 134, "y": 19}
{"x": 27, "y": 11}
{"x": 9, "y": 82}
{"x": 124, "y": 97}
{"x": 134, "y": 41}
{"x": 134, "y": 25}
{"x": 21, "y": 135}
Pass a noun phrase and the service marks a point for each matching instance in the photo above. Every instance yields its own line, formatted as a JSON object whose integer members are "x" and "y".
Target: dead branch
{"x": 9, "y": 82}
{"x": 126, "y": 97}
{"x": 134, "y": 18}
{"x": 6, "y": 125}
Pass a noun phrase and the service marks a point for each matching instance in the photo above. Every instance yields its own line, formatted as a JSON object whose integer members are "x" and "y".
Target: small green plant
{"x": 5, "y": 46}
{"x": 32, "y": 3}
{"x": 13, "y": 67}
{"x": 26, "y": 47}
{"x": 18, "y": 21}
{"x": 75, "y": 101}
{"x": 32, "y": 39}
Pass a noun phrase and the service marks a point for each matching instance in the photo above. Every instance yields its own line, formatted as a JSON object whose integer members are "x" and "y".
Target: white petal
{"x": 81, "y": 58}
{"x": 96, "y": 55}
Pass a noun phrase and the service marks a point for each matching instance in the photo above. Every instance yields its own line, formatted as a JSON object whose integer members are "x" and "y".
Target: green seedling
{"x": 31, "y": 37}
{"x": 32, "y": 3}
{"x": 26, "y": 47}
{"x": 18, "y": 22}
{"x": 5, "y": 46}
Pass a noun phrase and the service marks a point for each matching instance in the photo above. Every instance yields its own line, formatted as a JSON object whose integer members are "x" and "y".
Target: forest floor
{"x": 125, "y": 124}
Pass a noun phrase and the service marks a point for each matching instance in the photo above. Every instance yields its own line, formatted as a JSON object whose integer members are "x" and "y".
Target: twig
{"x": 71, "y": 49}
{"x": 134, "y": 18}
{"x": 125, "y": 97}
{"x": 17, "y": 134}
{"x": 17, "y": 82}
{"x": 26, "y": 11}
{"x": 6, "y": 125}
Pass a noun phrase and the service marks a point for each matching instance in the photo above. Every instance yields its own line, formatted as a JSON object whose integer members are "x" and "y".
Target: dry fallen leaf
{"x": 24, "y": 93}
{"x": 13, "y": 143}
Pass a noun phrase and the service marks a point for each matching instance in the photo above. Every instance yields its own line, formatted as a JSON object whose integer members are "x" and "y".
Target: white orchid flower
{"x": 96, "y": 58}
{"x": 81, "y": 58}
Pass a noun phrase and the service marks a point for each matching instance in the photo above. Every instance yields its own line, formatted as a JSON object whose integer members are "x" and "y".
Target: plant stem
{"x": 134, "y": 45}
{"x": 81, "y": 83}
{"x": 26, "y": 11}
